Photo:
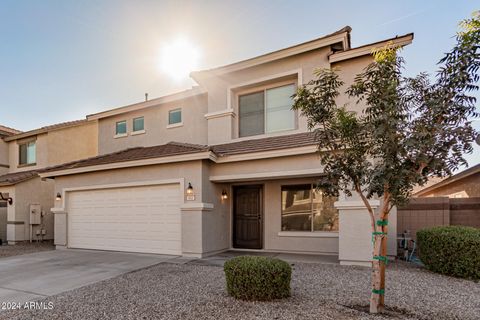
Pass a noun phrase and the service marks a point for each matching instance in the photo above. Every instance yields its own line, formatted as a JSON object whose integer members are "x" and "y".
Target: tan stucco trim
{"x": 150, "y": 103}
{"x": 276, "y": 55}
{"x": 267, "y": 175}
{"x": 219, "y": 114}
{"x": 202, "y": 206}
{"x": 268, "y": 154}
{"x": 354, "y": 205}
{"x": 128, "y": 164}
{"x": 367, "y": 49}
{"x": 308, "y": 234}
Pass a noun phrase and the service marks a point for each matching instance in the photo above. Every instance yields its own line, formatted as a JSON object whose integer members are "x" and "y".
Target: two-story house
{"x": 27, "y": 215}
{"x": 225, "y": 165}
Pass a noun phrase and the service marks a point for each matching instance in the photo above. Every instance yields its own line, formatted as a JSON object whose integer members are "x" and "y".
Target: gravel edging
{"x": 25, "y": 248}
{"x": 320, "y": 291}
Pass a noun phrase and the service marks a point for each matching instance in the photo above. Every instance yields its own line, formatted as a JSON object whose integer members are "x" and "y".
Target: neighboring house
{"x": 224, "y": 165}
{"x": 4, "y": 132}
{"x": 465, "y": 184}
{"x": 23, "y": 155}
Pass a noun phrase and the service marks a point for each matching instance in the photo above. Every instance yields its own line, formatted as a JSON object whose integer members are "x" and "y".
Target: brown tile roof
{"x": 56, "y": 126}
{"x": 265, "y": 144}
{"x": 17, "y": 177}
{"x": 7, "y": 131}
{"x": 132, "y": 154}
{"x": 176, "y": 148}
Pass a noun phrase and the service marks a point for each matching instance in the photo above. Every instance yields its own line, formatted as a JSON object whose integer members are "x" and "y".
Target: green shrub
{"x": 257, "y": 278}
{"x": 451, "y": 250}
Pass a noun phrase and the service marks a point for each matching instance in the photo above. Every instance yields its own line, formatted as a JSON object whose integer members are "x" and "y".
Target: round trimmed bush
{"x": 258, "y": 278}
{"x": 451, "y": 250}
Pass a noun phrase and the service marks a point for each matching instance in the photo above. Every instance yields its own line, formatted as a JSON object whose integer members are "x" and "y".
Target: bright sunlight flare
{"x": 179, "y": 58}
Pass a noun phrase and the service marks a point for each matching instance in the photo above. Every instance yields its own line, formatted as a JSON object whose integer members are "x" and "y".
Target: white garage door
{"x": 134, "y": 219}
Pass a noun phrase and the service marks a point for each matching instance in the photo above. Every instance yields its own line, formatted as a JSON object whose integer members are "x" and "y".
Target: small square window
{"x": 175, "y": 116}
{"x": 121, "y": 127}
{"x": 138, "y": 124}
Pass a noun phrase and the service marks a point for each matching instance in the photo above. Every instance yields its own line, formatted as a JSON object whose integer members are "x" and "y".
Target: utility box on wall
{"x": 35, "y": 214}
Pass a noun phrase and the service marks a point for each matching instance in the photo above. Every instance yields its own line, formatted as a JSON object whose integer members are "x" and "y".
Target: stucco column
{"x": 355, "y": 235}
{"x": 192, "y": 226}
{"x": 60, "y": 231}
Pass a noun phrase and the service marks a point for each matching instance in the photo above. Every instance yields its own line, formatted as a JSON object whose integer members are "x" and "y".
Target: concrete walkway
{"x": 33, "y": 276}
{"x": 219, "y": 259}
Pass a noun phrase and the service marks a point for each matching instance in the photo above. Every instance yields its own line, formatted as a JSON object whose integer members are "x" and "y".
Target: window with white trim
{"x": 175, "y": 116}
{"x": 305, "y": 208}
{"x": 27, "y": 153}
{"x": 266, "y": 111}
{"x": 138, "y": 124}
{"x": 121, "y": 127}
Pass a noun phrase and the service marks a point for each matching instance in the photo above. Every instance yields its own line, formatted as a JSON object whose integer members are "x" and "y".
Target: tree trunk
{"x": 379, "y": 262}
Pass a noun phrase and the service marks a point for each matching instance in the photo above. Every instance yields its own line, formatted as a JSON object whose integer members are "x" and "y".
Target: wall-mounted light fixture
{"x": 8, "y": 199}
{"x": 190, "y": 194}
{"x": 58, "y": 197}
{"x": 189, "y": 189}
{"x": 224, "y": 194}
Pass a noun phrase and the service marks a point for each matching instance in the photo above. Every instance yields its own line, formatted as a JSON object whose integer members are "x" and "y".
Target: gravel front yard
{"x": 24, "y": 248}
{"x": 320, "y": 291}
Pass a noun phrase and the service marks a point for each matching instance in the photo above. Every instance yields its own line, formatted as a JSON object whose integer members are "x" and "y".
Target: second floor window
{"x": 266, "y": 111}
{"x": 175, "y": 116}
{"x": 27, "y": 153}
{"x": 121, "y": 127}
{"x": 138, "y": 124}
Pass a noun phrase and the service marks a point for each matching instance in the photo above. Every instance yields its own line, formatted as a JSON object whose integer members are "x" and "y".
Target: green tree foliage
{"x": 410, "y": 129}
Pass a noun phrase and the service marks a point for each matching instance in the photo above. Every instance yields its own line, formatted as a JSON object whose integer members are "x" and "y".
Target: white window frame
{"x": 176, "y": 124}
{"x": 305, "y": 233}
{"x": 135, "y": 132}
{"x": 120, "y": 135}
{"x": 29, "y": 162}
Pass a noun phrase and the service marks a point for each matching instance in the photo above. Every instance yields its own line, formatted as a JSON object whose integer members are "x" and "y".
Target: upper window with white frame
{"x": 175, "y": 116}
{"x": 266, "y": 111}
{"x": 138, "y": 124}
{"x": 121, "y": 128}
{"x": 27, "y": 153}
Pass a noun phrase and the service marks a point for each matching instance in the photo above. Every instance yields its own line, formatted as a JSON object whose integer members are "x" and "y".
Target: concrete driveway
{"x": 34, "y": 276}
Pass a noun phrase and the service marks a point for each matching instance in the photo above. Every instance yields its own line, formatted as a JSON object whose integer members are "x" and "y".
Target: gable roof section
{"x": 132, "y": 154}
{"x": 367, "y": 49}
{"x": 7, "y": 131}
{"x": 465, "y": 173}
{"x": 52, "y": 127}
{"x": 177, "y": 152}
{"x": 342, "y": 36}
{"x": 265, "y": 144}
{"x": 17, "y": 177}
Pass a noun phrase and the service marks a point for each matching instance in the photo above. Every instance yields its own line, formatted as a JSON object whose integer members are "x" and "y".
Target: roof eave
{"x": 149, "y": 103}
{"x": 341, "y": 35}
{"x": 364, "y": 50}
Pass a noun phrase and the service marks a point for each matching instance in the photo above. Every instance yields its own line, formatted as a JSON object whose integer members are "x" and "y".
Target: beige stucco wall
{"x": 194, "y": 129}
{"x": 4, "y": 161}
{"x": 223, "y": 90}
{"x": 72, "y": 143}
{"x": 24, "y": 194}
{"x": 464, "y": 188}
{"x": 58, "y": 146}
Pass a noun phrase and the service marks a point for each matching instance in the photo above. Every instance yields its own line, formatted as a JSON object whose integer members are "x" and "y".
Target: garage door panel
{"x": 137, "y": 219}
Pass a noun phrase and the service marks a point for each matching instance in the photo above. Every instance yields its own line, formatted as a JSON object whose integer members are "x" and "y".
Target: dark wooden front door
{"x": 247, "y": 217}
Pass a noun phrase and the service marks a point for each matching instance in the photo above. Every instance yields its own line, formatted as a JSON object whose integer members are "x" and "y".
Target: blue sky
{"x": 61, "y": 60}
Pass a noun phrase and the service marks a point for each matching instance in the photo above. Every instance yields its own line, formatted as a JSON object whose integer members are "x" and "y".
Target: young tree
{"x": 410, "y": 129}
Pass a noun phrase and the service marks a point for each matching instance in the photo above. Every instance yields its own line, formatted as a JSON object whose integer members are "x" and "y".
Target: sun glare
{"x": 178, "y": 59}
